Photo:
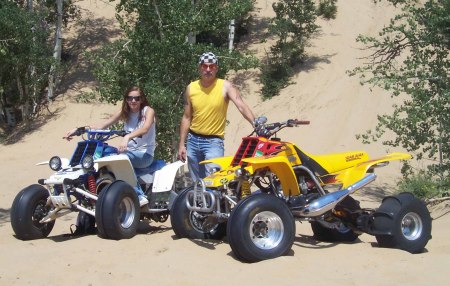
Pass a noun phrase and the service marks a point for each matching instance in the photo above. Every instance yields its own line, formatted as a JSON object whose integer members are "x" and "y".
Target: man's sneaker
{"x": 142, "y": 200}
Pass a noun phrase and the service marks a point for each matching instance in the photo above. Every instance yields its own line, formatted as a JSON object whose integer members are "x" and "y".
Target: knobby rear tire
{"x": 405, "y": 223}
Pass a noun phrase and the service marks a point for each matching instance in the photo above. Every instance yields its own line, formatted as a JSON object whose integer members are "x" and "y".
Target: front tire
{"x": 260, "y": 227}
{"x": 28, "y": 208}
{"x": 189, "y": 224}
{"x": 402, "y": 222}
{"x": 117, "y": 211}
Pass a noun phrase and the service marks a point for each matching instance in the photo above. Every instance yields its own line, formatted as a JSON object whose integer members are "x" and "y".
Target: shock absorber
{"x": 245, "y": 188}
{"x": 91, "y": 184}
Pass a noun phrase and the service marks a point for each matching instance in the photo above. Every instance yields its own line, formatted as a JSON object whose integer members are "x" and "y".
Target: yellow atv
{"x": 257, "y": 194}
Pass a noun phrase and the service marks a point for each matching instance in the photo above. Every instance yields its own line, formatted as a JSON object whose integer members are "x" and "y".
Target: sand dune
{"x": 338, "y": 108}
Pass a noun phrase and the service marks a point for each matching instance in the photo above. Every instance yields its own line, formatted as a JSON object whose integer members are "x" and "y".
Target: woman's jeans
{"x": 139, "y": 160}
{"x": 200, "y": 148}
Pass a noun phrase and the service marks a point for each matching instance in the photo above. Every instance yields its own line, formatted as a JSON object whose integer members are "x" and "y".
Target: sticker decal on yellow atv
{"x": 353, "y": 157}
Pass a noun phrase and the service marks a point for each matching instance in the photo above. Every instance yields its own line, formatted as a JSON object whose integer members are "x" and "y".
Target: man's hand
{"x": 182, "y": 153}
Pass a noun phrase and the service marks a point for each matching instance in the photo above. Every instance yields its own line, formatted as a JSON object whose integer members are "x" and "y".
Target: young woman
{"x": 139, "y": 120}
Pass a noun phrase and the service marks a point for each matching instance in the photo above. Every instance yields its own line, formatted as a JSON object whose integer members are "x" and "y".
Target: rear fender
{"x": 165, "y": 177}
{"x": 352, "y": 175}
{"x": 281, "y": 166}
{"x": 120, "y": 166}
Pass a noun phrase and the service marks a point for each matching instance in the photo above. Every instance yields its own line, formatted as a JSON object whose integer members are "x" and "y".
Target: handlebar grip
{"x": 122, "y": 133}
{"x": 272, "y": 125}
{"x": 79, "y": 131}
{"x": 303, "y": 122}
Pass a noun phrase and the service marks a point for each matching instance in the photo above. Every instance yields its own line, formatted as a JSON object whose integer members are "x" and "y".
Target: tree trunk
{"x": 191, "y": 37}
{"x": 56, "y": 51}
{"x": 231, "y": 36}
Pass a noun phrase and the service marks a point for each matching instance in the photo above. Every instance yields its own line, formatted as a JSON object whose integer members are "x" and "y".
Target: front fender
{"x": 120, "y": 166}
{"x": 223, "y": 162}
{"x": 281, "y": 166}
{"x": 351, "y": 175}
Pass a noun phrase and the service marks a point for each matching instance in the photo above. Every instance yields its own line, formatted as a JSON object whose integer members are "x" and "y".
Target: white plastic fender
{"x": 165, "y": 176}
{"x": 58, "y": 177}
{"x": 120, "y": 166}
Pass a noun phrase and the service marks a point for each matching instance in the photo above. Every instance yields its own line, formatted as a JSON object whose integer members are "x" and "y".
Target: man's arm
{"x": 234, "y": 95}
{"x": 184, "y": 125}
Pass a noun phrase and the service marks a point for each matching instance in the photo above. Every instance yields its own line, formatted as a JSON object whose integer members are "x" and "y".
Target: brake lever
{"x": 122, "y": 133}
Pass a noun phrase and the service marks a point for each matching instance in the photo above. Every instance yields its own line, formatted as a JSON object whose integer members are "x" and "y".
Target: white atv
{"x": 99, "y": 183}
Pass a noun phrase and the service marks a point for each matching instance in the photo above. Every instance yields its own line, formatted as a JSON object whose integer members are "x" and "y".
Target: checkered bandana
{"x": 208, "y": 58}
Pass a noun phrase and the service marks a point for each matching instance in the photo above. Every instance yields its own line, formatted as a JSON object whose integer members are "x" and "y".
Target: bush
{"x": 274, "y": 77}
{"x": 327, "y": 9}
{"x": 293, "y": 25}
{"x": 425, "y": 186}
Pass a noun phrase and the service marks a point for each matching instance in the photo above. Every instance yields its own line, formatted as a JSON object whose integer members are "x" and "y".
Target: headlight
{"x": 215, "y": 170}
{"x": 55, "y": 163}
{"x": 87, "y": 162}
{"x": 240, "y": 172}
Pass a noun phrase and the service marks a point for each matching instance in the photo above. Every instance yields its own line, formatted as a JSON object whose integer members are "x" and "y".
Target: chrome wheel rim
{"x": 412, "y": 226}
{"x": 126, "y": 213}
{"x": 266, "y": 230}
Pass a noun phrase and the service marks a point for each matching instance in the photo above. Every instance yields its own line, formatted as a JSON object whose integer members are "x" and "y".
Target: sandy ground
{"x": 338, "y": 108}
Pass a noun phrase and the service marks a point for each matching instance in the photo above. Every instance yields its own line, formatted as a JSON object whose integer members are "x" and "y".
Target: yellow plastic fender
{"x": 354, "y": 174}
{"x": 279, "y": 165}
{"x": 223, "y": 162}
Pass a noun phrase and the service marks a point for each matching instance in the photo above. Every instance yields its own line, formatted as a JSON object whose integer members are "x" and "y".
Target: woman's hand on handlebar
{"x": 75, "y": 132}
{"x": 69, "y": 134}
{"x": 123, "y": 144}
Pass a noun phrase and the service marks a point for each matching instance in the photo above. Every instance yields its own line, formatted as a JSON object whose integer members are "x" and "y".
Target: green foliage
{"x": 155, "y": 55}
{"x": 25, "y": 55}
{"x": 410, "y": 58}
{"x": 327, "y": 9}
{"x": 86, "y": 97}
{"x": 293, "y": 26}
{"x": 425, "y": 186}
{"x": 274, "y": 77}
{"x": 26, "y": 51}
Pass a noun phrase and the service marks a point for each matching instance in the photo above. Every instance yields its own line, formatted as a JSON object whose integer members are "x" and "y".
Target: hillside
{"x": 338, "y": 108}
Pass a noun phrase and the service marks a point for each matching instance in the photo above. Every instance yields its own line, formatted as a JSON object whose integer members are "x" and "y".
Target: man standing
{"x": 202, "y": 126}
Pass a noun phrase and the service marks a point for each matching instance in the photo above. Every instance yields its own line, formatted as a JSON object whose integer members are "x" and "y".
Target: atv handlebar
{"x": 268, "y": 130}
{"x": 97, "y": 134}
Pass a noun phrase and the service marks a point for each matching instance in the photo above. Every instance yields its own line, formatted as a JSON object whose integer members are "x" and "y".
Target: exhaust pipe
{"x": 329, "y": 201}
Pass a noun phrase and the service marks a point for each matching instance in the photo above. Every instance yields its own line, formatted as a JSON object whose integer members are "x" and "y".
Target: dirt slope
{"x": 338, "y": 108}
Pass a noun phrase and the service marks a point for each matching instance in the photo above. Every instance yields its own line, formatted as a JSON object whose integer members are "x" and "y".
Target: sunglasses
{"x": 133, "y": 98}
{"x": 210, "y": 66}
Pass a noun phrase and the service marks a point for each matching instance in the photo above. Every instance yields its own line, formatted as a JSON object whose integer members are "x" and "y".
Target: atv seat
{"x": 154, "y": 166}
{"x": 311, "y": 163}
{"x": 332, "y": 163}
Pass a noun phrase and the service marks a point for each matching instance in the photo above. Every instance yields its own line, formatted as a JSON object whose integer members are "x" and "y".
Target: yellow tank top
{"x": 209, "y": 108}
